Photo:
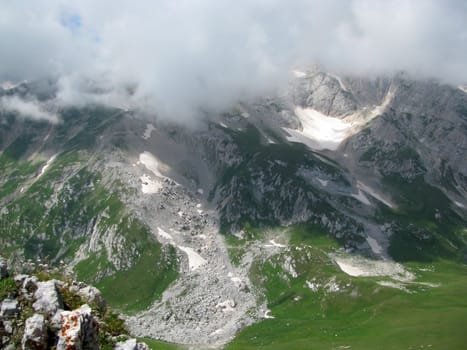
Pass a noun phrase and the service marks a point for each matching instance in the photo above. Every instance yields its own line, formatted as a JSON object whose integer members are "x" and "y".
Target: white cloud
{"x": 179, "y": 56}
{"x": 28, "y": 109}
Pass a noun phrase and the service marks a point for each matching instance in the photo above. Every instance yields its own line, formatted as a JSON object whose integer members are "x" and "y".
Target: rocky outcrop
{"x": 39, "y": 315}
{"x": 79, "y": 330}
{"x": 35, "y": 333}
{"x": 47, "y": 298}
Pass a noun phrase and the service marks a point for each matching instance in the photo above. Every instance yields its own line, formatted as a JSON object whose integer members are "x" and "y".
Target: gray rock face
{"x": 325, "y": 93}
{"x": 47, "y": 298}
{"x": 3, "y": 268}
{"x": 79, "y": 330}
{"x": 92, "y": 295}
{"x": 35, "y": 334}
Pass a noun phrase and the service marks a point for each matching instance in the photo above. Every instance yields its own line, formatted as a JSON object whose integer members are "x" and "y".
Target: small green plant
{"x": 71, "y": 300}
{"x": 114, "y": 325}
{"x": 8, "y": 288}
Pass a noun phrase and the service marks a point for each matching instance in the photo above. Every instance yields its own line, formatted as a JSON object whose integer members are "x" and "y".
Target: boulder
{"x": 35, "y": 333}
{"x": 9, "y": 308}
{"x": 130, "y": 344}
{"x": 48, "y": 299}
{"x": 79, "y": 330}
{"x": 92, "y": 295}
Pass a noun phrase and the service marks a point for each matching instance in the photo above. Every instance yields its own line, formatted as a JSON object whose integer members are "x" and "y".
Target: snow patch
{"x": 375, "y": 195}
{"x": 151, "y": 163}
{"x": 148, "y": 132}
{"x": 374, "y": 245}
{"x": 361, "y": 197}
{"x": 47, "y": 165}
{"x": 149, "y": 185}
{"x": 393, "y": 285}
{"x": 319, "y": 131}
{"x": 387, "y": 100}
{"x": 274, "y": 244}
{"x": 299, "y": 74}
{"x": 323, "y": 183}
{"x": 341, "y": 83}
{"x": 194, "y": 259}
{"x": 463, "y": 88}
{"x": 267, "y": 314}
{"x": 362, "y": 267}
{"x": 459, "y": 204}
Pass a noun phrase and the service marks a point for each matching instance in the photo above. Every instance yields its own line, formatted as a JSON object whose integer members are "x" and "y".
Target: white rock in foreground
{"x": 79, "y": 330}
{"x": 47, "y": 298}
{"x": 35, "y": 334}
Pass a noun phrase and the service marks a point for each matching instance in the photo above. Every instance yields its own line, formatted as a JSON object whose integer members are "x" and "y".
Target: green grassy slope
{"x": 362, "y": 314}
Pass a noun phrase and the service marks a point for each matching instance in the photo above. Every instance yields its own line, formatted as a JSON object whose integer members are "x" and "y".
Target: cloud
{"x": 177, "y": 57}
{"x": 27, "y": 108}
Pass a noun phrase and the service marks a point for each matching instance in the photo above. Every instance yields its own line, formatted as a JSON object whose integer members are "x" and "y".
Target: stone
{"x": 3, "y": 268}
{"x": 92, "y": 295}
{"x": 48, "y": 299}
{"x": 35, "y": 333}
{"x": 79, "y": 330}
{"x": 9, "y": 308}
{"x": 130, "y": 344}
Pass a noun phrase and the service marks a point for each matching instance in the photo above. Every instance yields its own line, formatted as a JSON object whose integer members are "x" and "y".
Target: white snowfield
{"x": 362, "y": 267}
{"x": 150, "y": 184}
{"x": 463, "y": 88}
{"x": 194, "y": 259}
{"x": 320, "y": 132}
{"x": 148, "y": 132}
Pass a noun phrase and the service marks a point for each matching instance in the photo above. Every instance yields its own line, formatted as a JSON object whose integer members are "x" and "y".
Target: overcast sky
{"x": 181, "y": 55}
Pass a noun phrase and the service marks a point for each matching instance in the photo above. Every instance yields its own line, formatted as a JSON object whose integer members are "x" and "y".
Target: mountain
{"x": 304, "y": 218}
